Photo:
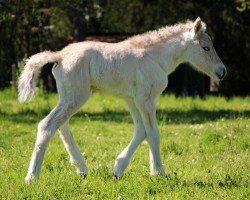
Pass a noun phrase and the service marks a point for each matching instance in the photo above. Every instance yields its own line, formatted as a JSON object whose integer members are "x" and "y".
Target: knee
{"x": 155, "y": 137}
{"x": 43, "y": 126}
{"x": 45, "y": 131}
{"x": 52, "y": 122}
{"x": 139, "y": 129}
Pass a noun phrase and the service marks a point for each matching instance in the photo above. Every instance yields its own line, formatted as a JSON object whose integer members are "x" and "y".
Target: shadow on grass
{"x": 173, "y": 181}
{"x": 194, "y": 116}
{"x": 226, "y": 181}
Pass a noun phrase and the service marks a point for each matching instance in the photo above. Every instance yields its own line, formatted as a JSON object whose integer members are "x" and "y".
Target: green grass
{"x": 204, "y": 146}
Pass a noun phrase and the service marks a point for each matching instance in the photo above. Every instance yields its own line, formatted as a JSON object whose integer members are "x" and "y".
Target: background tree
{"x": 27, "y": 27}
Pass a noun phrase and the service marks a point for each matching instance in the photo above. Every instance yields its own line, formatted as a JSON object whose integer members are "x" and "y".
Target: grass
{"x": 204, "y": 146}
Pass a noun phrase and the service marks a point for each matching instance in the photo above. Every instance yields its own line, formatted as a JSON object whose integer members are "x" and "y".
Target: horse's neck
{"x": 170, "y": 54}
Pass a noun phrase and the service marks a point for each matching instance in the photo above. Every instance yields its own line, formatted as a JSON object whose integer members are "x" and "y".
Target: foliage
{"x": 243, "y": 5}
{"x": 204, "y": 146}
{"x": 27, "y": 27}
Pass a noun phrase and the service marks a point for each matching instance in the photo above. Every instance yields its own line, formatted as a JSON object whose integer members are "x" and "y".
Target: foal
{"x": 136, "y": 70}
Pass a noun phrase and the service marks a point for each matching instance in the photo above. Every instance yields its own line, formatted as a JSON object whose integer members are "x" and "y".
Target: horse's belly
{"x": 116, "y": 89}
{"x": 115, "y": 80}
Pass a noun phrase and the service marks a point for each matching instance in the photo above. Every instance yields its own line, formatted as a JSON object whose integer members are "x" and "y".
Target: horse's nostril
{"x": 224, "y": 72}
{"x": 221, "y": 73}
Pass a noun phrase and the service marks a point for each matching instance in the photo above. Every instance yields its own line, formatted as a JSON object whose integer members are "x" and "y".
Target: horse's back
{"x": 107, "y": 67}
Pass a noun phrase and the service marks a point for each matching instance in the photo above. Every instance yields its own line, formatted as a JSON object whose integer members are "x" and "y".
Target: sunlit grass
{"x": 204, "y": 145}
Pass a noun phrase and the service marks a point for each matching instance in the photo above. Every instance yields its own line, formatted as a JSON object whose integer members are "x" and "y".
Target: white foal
{"x": 136, "y": 69}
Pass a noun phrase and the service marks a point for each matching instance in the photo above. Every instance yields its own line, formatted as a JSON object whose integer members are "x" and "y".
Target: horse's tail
{"x": 29, "y": 77}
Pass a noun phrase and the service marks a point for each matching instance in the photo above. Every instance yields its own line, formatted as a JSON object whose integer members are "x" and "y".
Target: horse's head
{"x": 201, "y": 53}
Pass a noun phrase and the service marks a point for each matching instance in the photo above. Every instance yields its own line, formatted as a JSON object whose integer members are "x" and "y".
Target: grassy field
{"x": 204, "y": 145}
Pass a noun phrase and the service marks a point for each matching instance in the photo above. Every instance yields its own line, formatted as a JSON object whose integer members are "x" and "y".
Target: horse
{"x": 135, "y": 69}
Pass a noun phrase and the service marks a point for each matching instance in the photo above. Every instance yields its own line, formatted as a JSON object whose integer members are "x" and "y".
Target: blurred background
{"x": 28, "y": 27}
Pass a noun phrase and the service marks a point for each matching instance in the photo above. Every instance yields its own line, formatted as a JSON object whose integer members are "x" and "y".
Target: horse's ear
{"x": 197, "y": 28}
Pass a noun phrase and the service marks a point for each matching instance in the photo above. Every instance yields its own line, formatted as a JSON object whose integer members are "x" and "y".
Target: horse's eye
{"x": 206, "y": 48}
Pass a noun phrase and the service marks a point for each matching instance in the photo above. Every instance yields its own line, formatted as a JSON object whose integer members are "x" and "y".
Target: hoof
{"x": 115, "y": 177}
{"x": 82, "y": 174}
{"x": 29, "y": 178}
{"x": 159, "y": 172}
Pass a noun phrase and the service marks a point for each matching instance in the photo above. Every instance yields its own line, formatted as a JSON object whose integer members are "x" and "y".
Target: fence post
{"x": 13, "y": 72}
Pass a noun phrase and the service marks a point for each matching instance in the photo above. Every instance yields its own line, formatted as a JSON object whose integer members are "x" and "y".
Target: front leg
{"x": 124, "y": 157}
{"x": 147, "y": 110}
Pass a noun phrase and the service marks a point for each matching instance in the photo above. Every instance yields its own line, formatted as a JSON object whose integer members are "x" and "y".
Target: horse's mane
{"x": 161, "y": 35}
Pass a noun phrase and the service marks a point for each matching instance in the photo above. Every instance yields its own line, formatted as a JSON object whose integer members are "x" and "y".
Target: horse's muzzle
{"x": 221, "y": 72}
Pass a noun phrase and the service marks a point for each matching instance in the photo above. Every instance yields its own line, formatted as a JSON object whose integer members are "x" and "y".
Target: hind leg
{"x": 67, "y": 106}
{"x": 75, "y": 155}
